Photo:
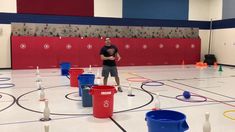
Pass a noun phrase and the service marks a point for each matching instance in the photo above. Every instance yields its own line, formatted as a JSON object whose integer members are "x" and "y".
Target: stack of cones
{"x": 201, "y": 65}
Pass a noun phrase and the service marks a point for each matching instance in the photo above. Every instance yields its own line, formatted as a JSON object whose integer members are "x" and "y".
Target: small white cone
{"x": 37, "y": 71}
{"x": 42, "y": 95}
{"x": 207, "y": 125}
{"x": 46, "y": 128}
{"x": 130, "y": 89}
{"x": 98, "y": 72}
{"x": 157, "y": 103}
{"x": 46, "y": 112}
{"x": 38, "y": 78}
{"x": 98, "y": 81}
{"x": 89, "y": 69}
{"x": 98, "y": 77}
{"x": 38, "y": 85}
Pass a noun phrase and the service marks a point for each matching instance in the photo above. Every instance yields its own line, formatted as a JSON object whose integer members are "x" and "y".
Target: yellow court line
{"x": 229, "y": 117}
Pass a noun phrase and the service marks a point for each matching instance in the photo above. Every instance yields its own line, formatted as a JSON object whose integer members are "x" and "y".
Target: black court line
{"x": 31, "y": 121}
{"x": 78, "y": 114}
{"x": 178, "y": 107}
{"x": 5, "y": 79}
{"x": 202, "y": 90}
{"x": 67, "y": 96}
{"x": 68, "y": 77}
{"x": 13, "y": 102}
{"x": 196, "y": 78}
{"x": 210, "y": 87}
{"x": 115, "y": 122}
{"x": 64, "y": 118}
{"x": 5, "y": 101}
{"x": 193, "y": 93}
{"x": 225, "y": 103}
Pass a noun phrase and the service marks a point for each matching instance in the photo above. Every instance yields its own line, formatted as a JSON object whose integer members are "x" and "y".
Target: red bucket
{"x": 102, "y": 97}
{"x": 74, "y": 73}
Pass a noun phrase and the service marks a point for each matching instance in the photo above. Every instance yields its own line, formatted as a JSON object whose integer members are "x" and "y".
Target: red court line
{"x": 184, "y": 90}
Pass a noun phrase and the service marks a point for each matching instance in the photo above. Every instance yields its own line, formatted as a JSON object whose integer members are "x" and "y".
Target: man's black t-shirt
{"x": 108, "y": 51}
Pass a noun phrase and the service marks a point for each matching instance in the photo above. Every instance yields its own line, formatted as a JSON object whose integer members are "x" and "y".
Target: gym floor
{"x": 211, "y": 91}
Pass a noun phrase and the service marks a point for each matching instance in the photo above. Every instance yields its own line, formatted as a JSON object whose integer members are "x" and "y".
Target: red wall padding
{"x": 56, "y": 7}
{"x": 49, "y": 52}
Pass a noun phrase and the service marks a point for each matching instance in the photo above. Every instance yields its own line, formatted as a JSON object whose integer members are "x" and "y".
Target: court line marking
{"x": 205, "y": 96}
{"x": 194, "y": 78}
{"x": 5, "y": 101}
{"x": 31, "y": 121}
{"x": 129, "y": 111}
{"x": 71, "y": 117}
{"x": 116, "y": 123}
{"x": 210, "y": 87}
{"x": 201, "y": 89}
{"x": 229, "y": 117}
{"x": 178, "y": 107}
{"x": 13, "y": 101}
{"x": 68, "y": 114}
{"x": 191, "y": 92}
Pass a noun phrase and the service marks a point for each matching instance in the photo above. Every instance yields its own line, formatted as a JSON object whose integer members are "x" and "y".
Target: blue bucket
{"x": 166, "y": 121}
{"x": 85, "y": 80}
{"x": 65, "y": 66}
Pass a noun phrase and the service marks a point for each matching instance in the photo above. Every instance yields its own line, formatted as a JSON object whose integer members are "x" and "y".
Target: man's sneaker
{"x": 120, "y": 89}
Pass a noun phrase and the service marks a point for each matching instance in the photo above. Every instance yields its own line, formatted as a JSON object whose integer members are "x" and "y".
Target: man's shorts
{"x": 109, "y": 69}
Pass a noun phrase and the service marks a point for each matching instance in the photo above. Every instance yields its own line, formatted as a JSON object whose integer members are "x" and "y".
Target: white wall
{"x": 204, "y": 35}
{"x": 198, "y": 10}
{"x": 223, "y": 42}
{"x": 215, "y": 9}
{"x": 7, "y": 6}
{"x": 205, "y": 10}
{"x": 108, "y": 8}
{"x": 223, "y": 45}
{"x": 5, "y": 56}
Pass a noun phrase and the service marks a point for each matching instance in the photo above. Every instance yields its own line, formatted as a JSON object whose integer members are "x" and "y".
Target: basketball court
{"x": 211, "y": 91}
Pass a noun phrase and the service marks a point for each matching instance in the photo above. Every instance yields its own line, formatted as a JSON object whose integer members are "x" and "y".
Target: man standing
{"x": 108, "y": 53}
